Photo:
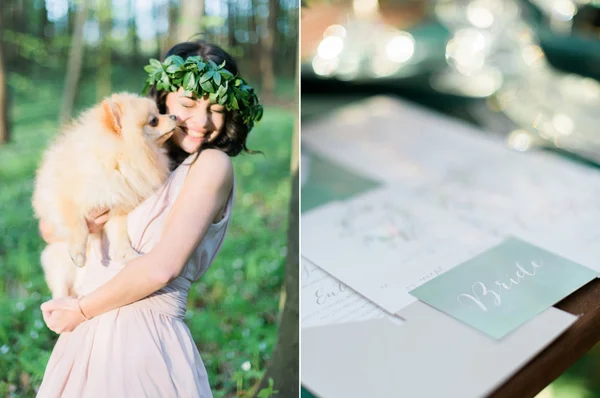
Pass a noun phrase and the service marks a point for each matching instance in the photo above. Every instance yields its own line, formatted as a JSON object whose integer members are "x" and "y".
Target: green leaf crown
{"x": 202, "y": 77}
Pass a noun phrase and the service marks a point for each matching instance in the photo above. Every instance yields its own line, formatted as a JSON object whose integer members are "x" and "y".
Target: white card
{"x": 384, "y": 244}
{"x": 390, "y": 140}
{"x": 327, "y": 301}
{"x": 540, "y": 198}
{"x": 456, "y": 168}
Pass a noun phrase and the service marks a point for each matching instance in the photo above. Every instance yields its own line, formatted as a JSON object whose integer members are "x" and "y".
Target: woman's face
{"x": 201, "y": 120}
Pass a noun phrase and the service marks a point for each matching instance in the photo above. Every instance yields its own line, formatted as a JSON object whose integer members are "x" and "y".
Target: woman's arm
{"x": 204, "y": 193}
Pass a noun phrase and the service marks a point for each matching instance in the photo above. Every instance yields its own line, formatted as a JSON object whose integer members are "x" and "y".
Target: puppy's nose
{"x": 173, "y": 118}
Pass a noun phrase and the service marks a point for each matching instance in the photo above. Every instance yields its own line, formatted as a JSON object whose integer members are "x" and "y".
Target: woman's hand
{"x": 95, "y": 222}
{"x": 62, "y": 315}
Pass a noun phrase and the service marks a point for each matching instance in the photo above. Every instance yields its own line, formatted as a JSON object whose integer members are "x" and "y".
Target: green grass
{"x": 232, "y": 310}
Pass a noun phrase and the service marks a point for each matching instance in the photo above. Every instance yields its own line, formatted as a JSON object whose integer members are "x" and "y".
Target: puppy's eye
{"x": 153, "y": 121}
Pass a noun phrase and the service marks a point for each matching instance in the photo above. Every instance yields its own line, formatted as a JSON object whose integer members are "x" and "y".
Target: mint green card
{"x": 504, "y": 287}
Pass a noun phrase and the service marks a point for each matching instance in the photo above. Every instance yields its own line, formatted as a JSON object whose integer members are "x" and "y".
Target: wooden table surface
{"x": 564, "y": 351}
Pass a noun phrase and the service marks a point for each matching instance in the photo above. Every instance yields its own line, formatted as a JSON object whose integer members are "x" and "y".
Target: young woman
{"x": 125, "y": 336}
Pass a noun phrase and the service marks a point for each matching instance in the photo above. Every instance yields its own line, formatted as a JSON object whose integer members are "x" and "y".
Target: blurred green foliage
{"x": 581, "y": 380}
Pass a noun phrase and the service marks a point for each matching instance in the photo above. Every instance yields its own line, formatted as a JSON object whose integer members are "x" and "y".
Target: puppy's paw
{"x": 77, "y": 257}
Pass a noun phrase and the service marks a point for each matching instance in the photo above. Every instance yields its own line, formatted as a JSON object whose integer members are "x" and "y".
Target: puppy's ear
{"x": 111, "y": 115}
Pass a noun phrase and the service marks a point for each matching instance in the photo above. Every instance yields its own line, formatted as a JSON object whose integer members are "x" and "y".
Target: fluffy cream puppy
{"x": 110, "y": 158}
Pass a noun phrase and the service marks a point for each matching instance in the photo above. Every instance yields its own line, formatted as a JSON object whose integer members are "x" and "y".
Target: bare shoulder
{"x": 213, "y": 167}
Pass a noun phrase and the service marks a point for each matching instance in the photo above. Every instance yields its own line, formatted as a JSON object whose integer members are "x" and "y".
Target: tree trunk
{"x": 254, "y": 50}
{"x": 45, "y": 28}
{"x": 172, "y": 25}
{"x": 12, "y": 22}
{"x": 74, "y": 64}
{"x": 72, "y": 16}
{"x": 284, "y": 365}
{"x": 158, "y": 40}
{"x": 266, "y": 57}
{"x": 231, "y": 23}
{"x": 132, "y": 27}
{"x": 20, "y": 19}
{"x": 4, "y": 124}
{"x": 190, "y": 19}
{"x": 104, "y": 85}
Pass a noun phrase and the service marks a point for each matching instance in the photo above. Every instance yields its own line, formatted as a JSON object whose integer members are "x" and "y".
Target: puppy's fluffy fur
{"x": 111, "y": 158}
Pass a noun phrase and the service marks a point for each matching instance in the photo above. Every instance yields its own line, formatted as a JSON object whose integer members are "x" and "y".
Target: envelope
{"x": 430, "y": 355}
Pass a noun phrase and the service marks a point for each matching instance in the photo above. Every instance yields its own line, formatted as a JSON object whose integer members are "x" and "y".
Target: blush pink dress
{"x": 143, "y": 349}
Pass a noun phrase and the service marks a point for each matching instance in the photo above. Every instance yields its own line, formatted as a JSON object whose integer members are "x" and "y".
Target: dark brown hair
{"x": 232, "y": 140}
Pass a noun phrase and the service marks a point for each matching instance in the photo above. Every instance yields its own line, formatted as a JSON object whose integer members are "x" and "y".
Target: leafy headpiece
{"x": 202, "y": 77}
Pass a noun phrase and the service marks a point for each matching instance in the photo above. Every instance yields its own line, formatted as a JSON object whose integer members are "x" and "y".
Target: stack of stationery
{"x": 432, "y": 254}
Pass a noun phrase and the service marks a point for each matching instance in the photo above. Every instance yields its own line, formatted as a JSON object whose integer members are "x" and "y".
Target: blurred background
{"x": 499, "y": 64}
{"x": 58, "y": 57}
{"x": 527, "y": 70}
